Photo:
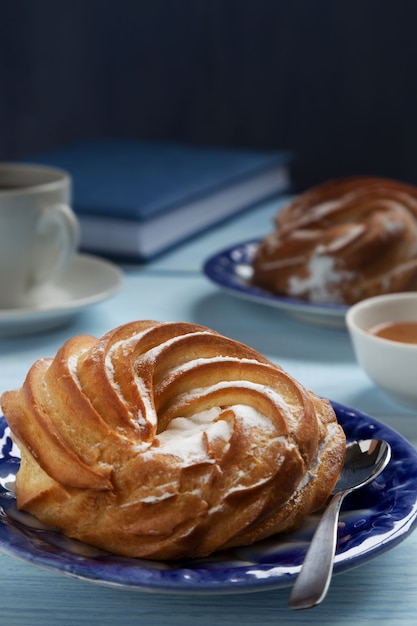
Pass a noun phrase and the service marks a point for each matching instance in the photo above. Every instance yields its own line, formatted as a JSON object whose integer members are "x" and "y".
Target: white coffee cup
{"x": 39, "y": 232}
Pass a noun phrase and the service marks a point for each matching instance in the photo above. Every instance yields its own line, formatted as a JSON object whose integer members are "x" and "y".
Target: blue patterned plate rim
{"x": 374, "y": 519}
{"x": 231, "y": 269}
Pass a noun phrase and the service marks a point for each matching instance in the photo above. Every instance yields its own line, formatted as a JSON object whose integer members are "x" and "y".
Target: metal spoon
{"x": 364, "y": 461}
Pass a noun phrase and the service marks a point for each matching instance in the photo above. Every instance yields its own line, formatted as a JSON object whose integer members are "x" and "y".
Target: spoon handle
{"x": 314, "y": 578}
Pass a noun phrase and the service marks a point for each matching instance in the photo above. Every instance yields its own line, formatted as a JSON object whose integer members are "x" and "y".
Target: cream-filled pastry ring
{"x": 168, "y": 440}
{"x": 342, "y": 241}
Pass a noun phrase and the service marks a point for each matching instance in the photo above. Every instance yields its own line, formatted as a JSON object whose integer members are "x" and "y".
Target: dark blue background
{"x": 334, "y": 80}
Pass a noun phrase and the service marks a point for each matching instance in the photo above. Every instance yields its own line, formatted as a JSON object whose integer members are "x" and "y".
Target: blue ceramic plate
{"x": 231, "y": 269}
{"x": 374, "y": 519}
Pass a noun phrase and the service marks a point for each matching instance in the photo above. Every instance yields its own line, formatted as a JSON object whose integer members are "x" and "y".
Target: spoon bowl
{"x": 364, "y": 461}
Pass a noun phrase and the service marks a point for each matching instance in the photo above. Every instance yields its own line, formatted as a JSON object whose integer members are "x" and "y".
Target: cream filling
{"x": 185, "y": 438}
{"x": 321, "y": 274}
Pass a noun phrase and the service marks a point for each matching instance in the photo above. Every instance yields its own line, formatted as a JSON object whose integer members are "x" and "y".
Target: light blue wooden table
{"x": 382, "y": 591}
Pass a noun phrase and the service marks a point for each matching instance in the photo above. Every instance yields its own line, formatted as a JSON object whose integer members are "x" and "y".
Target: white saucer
{"x": 86, "y": 281}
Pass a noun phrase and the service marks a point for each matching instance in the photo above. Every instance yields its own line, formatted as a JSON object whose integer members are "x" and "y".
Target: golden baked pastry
{"x": 342, "y": 241}
{"x": 168, "y": 440}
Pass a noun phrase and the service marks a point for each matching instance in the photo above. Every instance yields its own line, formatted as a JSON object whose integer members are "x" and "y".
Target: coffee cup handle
{"x": 58, "y": 234}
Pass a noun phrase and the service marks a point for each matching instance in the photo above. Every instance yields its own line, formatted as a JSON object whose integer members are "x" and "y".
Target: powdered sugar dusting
{"x": 349, "y": 235}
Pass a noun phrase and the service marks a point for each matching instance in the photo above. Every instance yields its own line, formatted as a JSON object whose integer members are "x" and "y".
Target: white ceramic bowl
{"x": 392, "y": 365}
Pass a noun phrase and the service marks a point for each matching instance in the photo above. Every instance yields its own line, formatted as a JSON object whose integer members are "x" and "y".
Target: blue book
{"x": 136, "y": 199}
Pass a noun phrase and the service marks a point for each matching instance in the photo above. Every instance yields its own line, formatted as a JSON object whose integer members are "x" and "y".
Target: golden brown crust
{"x": 342, "y": 241}
{"x": 169, "y": 440}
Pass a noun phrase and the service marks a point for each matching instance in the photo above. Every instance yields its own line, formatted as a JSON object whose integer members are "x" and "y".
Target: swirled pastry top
{"x": 166, "y": 440}
{"x": 342, "y": 241}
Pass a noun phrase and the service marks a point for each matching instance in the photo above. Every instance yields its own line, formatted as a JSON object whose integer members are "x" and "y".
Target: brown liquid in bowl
{"x": 405, "y": 332}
